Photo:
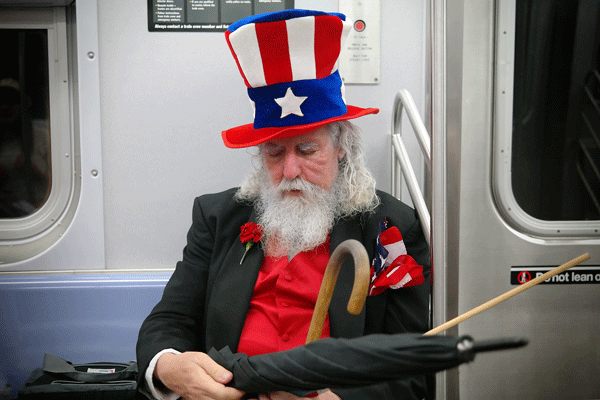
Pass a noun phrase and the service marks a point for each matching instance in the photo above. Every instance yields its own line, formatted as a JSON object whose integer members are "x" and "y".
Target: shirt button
{"x": 288, "y": 277}
{"x": 284, "y": 304}
{"x": 285, "y": 337}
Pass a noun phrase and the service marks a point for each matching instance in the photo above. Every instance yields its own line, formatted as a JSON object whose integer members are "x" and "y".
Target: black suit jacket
{"x": 204, "y": 304}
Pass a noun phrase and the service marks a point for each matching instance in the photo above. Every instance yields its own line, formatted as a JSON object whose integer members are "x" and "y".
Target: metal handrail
{"x": 400, "y": 156}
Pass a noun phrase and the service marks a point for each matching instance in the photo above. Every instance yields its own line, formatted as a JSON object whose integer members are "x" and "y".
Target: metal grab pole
{"x": 404, "y": 100}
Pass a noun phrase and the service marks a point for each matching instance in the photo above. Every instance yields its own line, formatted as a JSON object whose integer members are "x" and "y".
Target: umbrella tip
{"x": 495, "y": 344}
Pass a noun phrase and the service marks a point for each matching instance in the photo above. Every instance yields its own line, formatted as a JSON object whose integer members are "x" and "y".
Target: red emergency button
{"x": 359, "y": 25}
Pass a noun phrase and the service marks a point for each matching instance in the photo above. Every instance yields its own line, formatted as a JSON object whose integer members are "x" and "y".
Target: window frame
{"x": 502, "y": 189}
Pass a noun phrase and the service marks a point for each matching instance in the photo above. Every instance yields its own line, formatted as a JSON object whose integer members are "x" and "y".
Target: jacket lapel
{"x": 231, "y": 294}
{"x": 342, "y": 323}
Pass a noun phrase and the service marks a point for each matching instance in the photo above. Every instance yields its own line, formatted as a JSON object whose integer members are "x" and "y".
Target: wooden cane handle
{"x": 362, "y": 277}
{"x": 509, "y": 294}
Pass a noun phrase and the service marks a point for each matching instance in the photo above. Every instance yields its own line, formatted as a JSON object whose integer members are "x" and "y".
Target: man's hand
{"x": 328, "y": 395}
{"x": 195, "y": 376}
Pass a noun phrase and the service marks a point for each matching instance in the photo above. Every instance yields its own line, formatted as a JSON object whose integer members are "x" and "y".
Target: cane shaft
{"x": 509, "y": 294}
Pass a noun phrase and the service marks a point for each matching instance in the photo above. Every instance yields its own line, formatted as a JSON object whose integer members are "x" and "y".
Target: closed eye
{"x": 274, "y": 150}
{"x": 307, "y": 149}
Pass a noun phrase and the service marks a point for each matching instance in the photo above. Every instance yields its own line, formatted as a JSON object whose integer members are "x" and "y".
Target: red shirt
{"x": 283, "y": 302}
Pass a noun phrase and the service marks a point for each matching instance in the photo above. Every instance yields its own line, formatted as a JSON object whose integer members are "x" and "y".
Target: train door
{"x": 515, "y": 119}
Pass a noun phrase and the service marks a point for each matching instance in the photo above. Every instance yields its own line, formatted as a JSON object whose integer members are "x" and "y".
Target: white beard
{"x": 293, "y": 224}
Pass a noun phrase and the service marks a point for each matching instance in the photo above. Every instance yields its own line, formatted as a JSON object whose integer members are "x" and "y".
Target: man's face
{"x": 311, "y": 157}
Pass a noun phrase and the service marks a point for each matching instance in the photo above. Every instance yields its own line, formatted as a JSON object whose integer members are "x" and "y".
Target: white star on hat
{"x": 290, "y": 103}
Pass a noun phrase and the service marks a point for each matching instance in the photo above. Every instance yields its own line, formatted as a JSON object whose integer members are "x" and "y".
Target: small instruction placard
{"x": 589, "y": 274}
{"x": 206, "y": 15}
{"x": 361, "y": 53}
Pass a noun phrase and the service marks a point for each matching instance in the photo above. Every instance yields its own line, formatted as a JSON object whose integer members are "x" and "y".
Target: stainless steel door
{"x": 485, "y": 229}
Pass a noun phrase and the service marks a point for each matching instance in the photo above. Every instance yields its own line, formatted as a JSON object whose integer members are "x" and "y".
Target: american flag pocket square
{"x": 392, "y": 267}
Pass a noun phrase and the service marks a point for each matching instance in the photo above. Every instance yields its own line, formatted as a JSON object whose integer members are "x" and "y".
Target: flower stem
{"x": 248, "y": 245}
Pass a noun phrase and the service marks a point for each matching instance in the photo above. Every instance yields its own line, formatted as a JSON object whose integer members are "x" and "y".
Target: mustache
{"x": 287, "y": 185}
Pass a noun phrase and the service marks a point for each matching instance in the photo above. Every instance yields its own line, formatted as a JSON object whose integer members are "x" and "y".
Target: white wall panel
{"x": 165, "y": 97}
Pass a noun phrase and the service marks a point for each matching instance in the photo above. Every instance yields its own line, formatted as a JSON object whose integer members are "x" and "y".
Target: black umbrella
{"x": 337, "y": 363}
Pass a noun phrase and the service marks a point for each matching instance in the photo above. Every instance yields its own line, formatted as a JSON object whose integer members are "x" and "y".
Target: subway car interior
{"x": 489, "y": 126}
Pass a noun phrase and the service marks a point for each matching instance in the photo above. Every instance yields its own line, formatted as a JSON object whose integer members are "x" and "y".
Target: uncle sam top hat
{"x": 288, "y": 60}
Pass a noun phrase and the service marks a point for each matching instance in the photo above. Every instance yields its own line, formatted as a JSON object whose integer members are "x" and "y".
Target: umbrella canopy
{"x": 336, "y": 363}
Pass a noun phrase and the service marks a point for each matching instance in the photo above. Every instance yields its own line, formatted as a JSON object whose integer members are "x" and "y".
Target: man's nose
{"x": 291, "y": 166}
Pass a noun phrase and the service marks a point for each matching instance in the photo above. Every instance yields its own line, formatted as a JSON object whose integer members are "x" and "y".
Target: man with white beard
{"x": 296, "y": 206}
{"x": 256, "y": 255}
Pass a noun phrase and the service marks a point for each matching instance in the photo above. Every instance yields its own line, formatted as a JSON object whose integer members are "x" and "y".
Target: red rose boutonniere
{"x": 251, "y": 233}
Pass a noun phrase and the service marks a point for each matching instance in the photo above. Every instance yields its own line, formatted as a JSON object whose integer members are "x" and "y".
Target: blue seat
{"x": 80, "y": 318}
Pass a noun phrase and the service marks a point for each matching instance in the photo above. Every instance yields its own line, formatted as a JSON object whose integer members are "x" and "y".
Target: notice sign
{"x": 360, "y": 55}
{"x": 588, "y": 274}
{"x": 206, "y": 15}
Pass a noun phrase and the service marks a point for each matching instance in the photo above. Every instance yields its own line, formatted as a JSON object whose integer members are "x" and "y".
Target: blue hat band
{"x": 323, "y": 101}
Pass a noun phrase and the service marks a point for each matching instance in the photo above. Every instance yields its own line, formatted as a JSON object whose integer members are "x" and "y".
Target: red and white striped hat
{"x": 288, "y": 60}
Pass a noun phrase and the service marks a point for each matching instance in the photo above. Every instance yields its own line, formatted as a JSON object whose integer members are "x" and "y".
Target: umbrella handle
{"x": 362, "y": 277}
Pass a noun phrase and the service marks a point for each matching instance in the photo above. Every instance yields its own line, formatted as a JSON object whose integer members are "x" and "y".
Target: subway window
{"x": 556, "y": 114}
{"x": 36, "y": 143}
{"x": 547, "y": 116}
{"x": 25, "y": 168}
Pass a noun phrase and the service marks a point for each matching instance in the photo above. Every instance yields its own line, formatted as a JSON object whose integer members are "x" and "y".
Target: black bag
{"x": 59, "y": 379}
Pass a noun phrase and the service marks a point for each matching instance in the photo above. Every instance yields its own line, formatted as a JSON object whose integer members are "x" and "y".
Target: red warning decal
{"x": 523, "y": 277}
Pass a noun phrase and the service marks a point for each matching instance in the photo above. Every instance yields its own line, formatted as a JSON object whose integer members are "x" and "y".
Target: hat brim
{"x": 247, "y": 136}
